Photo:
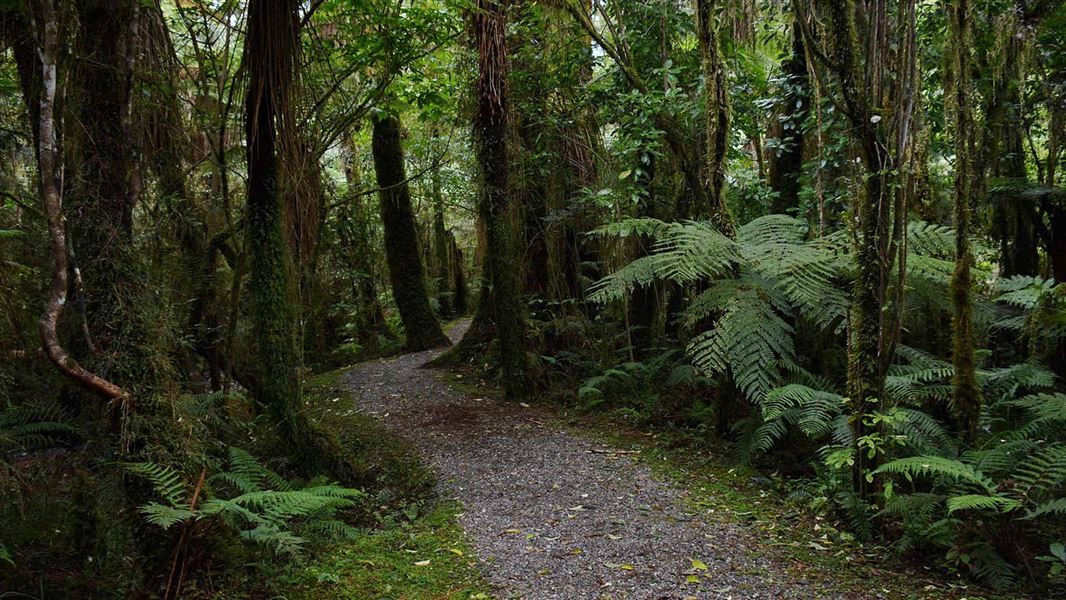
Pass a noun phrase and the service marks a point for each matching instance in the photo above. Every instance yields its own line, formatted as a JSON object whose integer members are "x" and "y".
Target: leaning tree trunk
{"x": 421, "y": 328}
{"x": 490, "y": 135}
{"x": 964, "y": 382}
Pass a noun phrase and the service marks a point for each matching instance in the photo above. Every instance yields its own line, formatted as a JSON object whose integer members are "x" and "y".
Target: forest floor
{"x": 554, "y": 512}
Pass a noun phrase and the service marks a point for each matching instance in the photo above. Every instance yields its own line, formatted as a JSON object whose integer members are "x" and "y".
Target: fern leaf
{"x": 936, "y": 466}
{"x": 165, "y": 516}
{"x": 982, "y": 502}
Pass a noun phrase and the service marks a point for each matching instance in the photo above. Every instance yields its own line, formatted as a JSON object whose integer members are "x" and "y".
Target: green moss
{"x": 427, "y": 558}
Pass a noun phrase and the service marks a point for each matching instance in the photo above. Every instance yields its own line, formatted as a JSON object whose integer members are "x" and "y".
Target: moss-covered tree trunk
{"x": 421, "y": 328}
{"x": 270, "y": 60}
{"x": 965, "y": 392}
{"x": 460, "y": 305}
{"x": 875, "y": 67}
{"x": 490, "y": 136}
{"x": 102, "y": 186}
{"x": 441, "y": 254}
{"x": 716, "y": 114}
{"x": 786, "y": 164}
{"x": 354, "y": 233}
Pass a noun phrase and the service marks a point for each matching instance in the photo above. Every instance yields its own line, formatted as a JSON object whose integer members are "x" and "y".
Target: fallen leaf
{"x": 422, "y": 563}
{"x": 455, "y": 551}
{"x": 699, "y": 565}
{"x": 692, "y": 579}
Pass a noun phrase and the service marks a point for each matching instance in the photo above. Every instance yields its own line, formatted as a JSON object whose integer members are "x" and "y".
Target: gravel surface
{"x": 555, "y": 516}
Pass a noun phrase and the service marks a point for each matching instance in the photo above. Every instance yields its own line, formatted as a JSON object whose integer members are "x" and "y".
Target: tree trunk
{"x": 101, "y": 173}
{"x": 271, "y": 60}
{"x": 717, "y": 118}
{"x": 421, "y": 328}
{"x": 48, "y": 53}
{"x": 490, "y": 135}
{"x": 786, "y": 166}
{"x": 441, "y": 251}
{"x": 965, "y": 392}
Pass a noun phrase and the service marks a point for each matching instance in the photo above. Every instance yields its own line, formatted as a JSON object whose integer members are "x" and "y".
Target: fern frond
{"x": 982, "y": 502}
{"x": 166, "y": 481}
{"x": 1053, "y": 507}
{"x": 936, "y": 466}
{"x": 930, "y": 239}
{"x": 923, "y": 432}
{"x": 1042, "y": 472}
{"x": 748, "y": 340}
{"x": 165, "y": 516}
{"x": 645, "y": 226}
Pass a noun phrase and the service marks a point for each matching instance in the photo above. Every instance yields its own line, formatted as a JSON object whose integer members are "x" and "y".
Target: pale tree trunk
{"x": 48, "y": 47}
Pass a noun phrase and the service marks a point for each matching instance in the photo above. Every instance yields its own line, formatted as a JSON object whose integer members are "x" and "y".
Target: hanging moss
{"x": 421, "y": 328}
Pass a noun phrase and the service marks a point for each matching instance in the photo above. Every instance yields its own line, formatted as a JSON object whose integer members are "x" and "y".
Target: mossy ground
{"x": 412, "y": 547}
{"x": 426, "y": 558}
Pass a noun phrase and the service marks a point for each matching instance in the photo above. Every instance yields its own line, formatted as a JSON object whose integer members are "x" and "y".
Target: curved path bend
{"x": 554, "y": 516}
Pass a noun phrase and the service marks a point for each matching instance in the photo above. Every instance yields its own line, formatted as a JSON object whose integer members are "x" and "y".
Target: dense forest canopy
{"x": 826, "y": 239}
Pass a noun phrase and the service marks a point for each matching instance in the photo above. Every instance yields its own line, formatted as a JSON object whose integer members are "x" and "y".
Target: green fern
{"x": 982, "y": 502}
{"x": 167, "y": 482}
{"x": 34, "y": 426}
{"x": 936, "y": 466}
{"x": 268, "y": 510}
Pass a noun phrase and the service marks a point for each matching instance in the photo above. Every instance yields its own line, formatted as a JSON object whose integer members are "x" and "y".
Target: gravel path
{"x": 556, "y": 516}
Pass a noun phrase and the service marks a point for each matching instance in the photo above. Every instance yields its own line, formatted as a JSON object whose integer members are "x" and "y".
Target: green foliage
{"x": 267, "y": 510}
{"x": 33, "y": 426}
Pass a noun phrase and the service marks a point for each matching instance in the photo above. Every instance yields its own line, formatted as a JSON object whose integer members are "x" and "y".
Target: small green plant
{"x": 263, "y": 507}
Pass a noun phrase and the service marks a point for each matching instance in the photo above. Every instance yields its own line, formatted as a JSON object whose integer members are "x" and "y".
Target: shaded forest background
{"x": 825, "y": 236}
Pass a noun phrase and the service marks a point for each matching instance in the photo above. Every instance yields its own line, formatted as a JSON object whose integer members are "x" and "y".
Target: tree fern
{"x": 936, "y": 466}
{"x": 982, "y": 502}
{"x": 748, "y": 340}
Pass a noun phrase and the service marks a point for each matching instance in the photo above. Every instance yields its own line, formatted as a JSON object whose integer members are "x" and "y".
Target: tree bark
{"x": 490, "y": 135}
{"x": 421, "y": 328}
{"x": 716, "y": 113}
{"x": 786, "y": 166}
{"x": 48, "y": 51}
{"x": 965, "y": 392}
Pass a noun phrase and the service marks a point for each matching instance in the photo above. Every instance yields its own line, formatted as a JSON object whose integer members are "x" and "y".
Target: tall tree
{"x": 270, "y": 60}
{"x": 490, "y": 146}
{"x": 441, "y": 254}
{"x": 966, "y": 394}
{"x": 873, "y": 61}
{"x": 47, "y": 150}
{"x": 786, "y": 164}
{"x": 421, "y": 328}
{"x": 716, "y": 114}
